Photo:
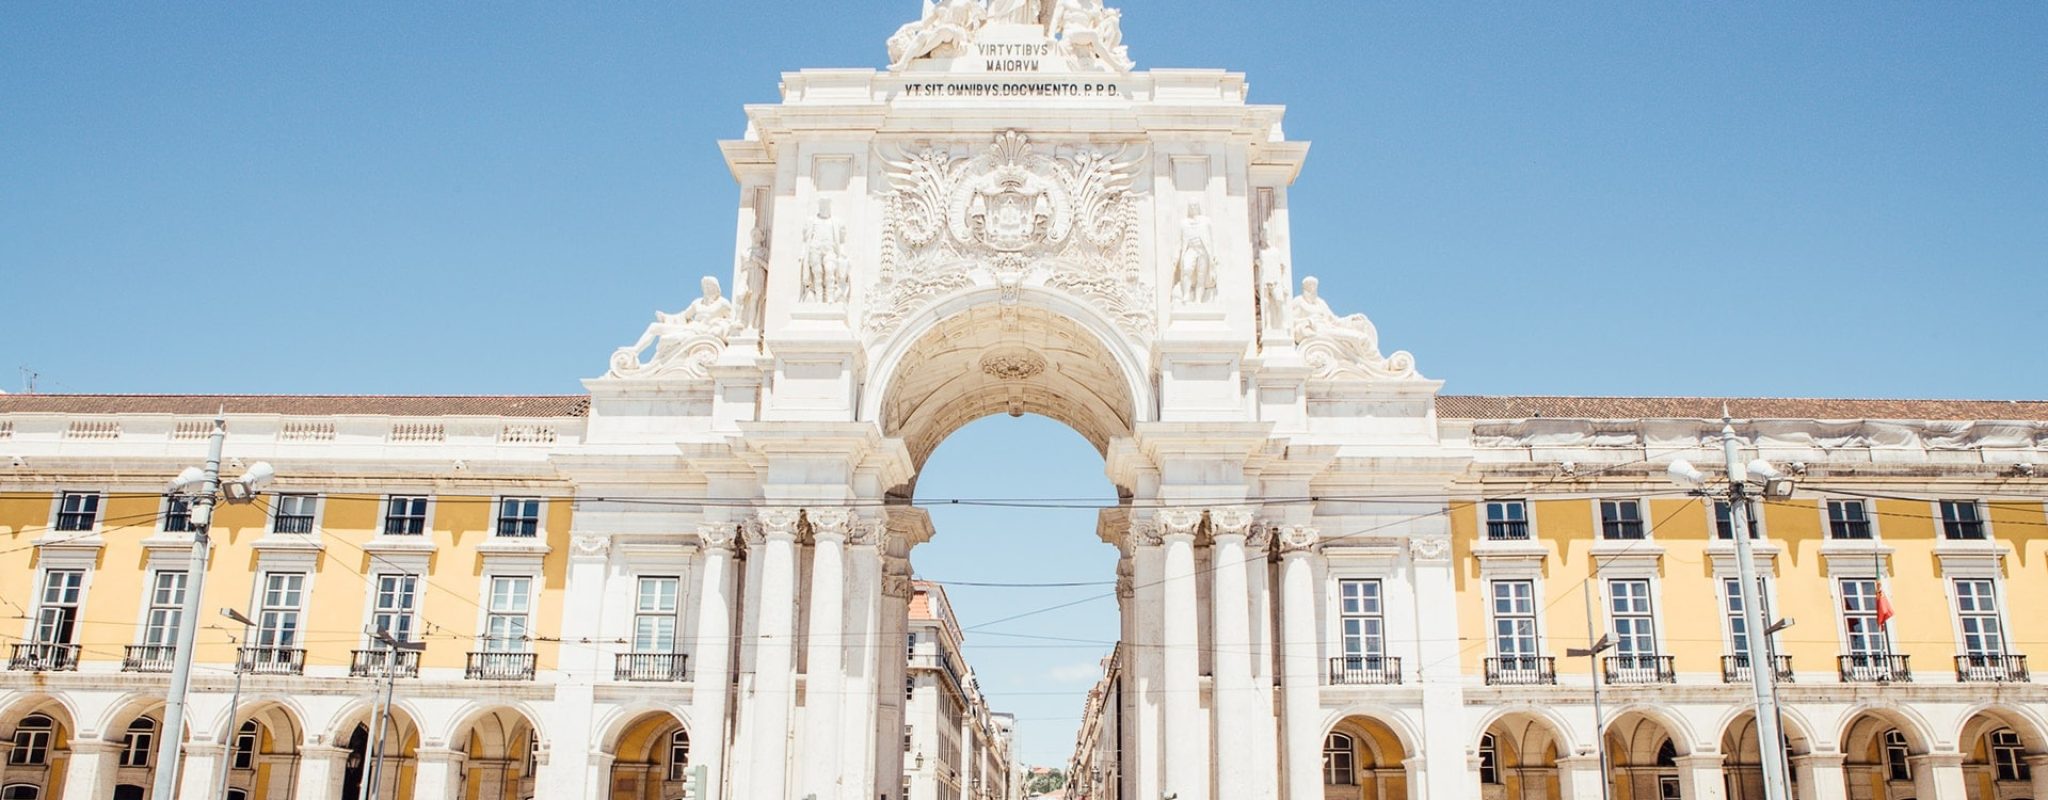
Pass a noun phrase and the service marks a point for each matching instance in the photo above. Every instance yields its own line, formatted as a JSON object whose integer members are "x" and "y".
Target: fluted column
{"x": 1298, "y": 674}
{"x": 1699, "y": 777}
{"x": 1820, "y": 776}
{"x": 1236, "y": 706}
{"x": 1938, "y": 776}
{"x": 712, "y": 676}
{"x": 89, "y": 775}
{"x": 774, "y": 656}
{"x": 825, "y": 675}
{"x": 438, "y": 774}
{"x": 1187, "y": 763}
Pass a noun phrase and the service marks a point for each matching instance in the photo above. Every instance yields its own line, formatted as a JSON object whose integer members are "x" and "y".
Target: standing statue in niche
{"x": 753, "y": 299}
{"x": 1194, "y": 271}
{"x": 1274, "y": 282}
{"x": 685, "y": 342}
{"x": 825, "y": 263}
{"x": 946, "y": 28}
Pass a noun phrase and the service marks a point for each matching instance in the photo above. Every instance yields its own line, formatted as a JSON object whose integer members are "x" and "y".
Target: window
{"x": 397, "y": 596}
{"x": 1896, "y": 752}
{"x": 31, "y": 742}
{"x": 505, "y": 628}
{"x": 277, "y": 622}
{"x": 1339, "y": 762}
{"x": 909, "y": 687}
{"x": 1859, "y": 617}
{"x": 20, "y": 791}
{"x": 245, "y": 746}
{"x": 1364, "y": 628}
{"x": 654, "y": 617}
{"x": 405, "y": 516}
{"x": 1738, "y": 625}
{"x": 57, "y": 609}
{"x": 166, "y": 609}
{"x": 138, "y": 743}
{"x": 1507, "y": 520}
{"x": 519, "y": 516}
{"x": 295, "y": 513}
{"x": 1514, "y": 619}
{"x": 1621, "y": 519}
{"x": 1847, "y": 519}
{"x": 1635, "y": 633}
{"x": 2009, "y": 756}
{"x": 178, "y": 514}
{"x": 1977, "y": 610}
{"x": 1960, "y": 519}
{"x": 1668, "y": 788}
{"x": 1489, "y": 761}
{"x": 679, "y": 755}
{"x": 1724, "y": 521}
{"x": 78, "y": 511}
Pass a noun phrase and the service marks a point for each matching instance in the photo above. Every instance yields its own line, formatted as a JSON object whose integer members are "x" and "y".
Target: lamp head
{"x": 185, "y": 480}
{"x": 236, "y": 616}
{"x": 1685, "y": 475}
{"x": 1761, "y": 471}
{"x": 258, "y": 476}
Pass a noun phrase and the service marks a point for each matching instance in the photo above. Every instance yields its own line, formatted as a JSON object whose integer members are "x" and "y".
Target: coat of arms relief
{"x": 1011, "y": 212}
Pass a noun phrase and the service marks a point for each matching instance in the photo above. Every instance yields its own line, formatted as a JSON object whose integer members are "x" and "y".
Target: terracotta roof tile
{"x": 1526, "y": 407}
{"x": 301, "y": 405}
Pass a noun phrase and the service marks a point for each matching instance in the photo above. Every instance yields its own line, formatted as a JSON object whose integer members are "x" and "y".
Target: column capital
{"x": 193, "y": 749}
{"x": 718, "y": 535}
{"x": 1178, "y": 522}
{"x": 93, "y": 747}
{"x": 868, "y": 532}
{"x": 1146, "y": 533}
{"x": 590, "y": 546}
{"x": 1430, "y": 549}
{"x": 829, "y": 524}
{"x": 1231, "y": 520}
{"x": 774, "y": 523}
{"x": 322, "y": 752}
{"x": 1701, "y": 761}
{"x": 1298, "y": 539}
{"x": 441, "y": 755}
{"x": 1819, "y": 760}
{"x": 1936, "y": 760}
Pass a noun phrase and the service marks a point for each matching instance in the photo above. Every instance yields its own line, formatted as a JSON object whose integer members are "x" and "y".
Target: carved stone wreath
{"x": 1012, "y": 364}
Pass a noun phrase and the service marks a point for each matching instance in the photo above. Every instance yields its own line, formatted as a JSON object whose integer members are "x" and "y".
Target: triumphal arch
{"x": 1012, "y": 218}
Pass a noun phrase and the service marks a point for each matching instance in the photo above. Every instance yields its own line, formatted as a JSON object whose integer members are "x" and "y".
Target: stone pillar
{"x": 1147, "y": 733}
{"x": 1820, "y": 776}
{"x": 438, "y": 774}
{"x": 1938, "y": 776}
{"x": 201, "y": 763}
{"x": 1265, "y": 732}
{"x": 1579, "y": 777}
{"x": 1236, "y": 704}
{"x": 825, "y": 681}
{"x": 569, "y": 732}
{"x": 2038, "y": 766}
{"x": 967, "y": 753}
{"x": 320, "y": 771}
{"x": 1299, "y": 683}
{"x": 598, "y": 785}
{"x": 1415, "y": 776}
{"x": 1187, "y": 763}
{"x": 1433, "y": 587}
{"x": 712, "y": 680}
{"x": 89, "y": 775}
{"x": 774, "y": 659}
{"x": 867, "y": 644}
{"x": 891, "y": 668}
{"x": 1699, "y": 777}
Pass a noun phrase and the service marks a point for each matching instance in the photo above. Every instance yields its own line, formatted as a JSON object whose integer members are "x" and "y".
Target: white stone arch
{"x": 1674, "y": 724}
{"x": 617, "y": 721}
{"x": 456, "y": 735}
{"x": 55, "y": 706}
{"x": 1560, "y": 730}
{"x": 2030, "y": 726}
{"x": 251, "y": 706}
{"x": 1919, "y": 734}
{"x": 1394, "y": 720}
{"x": 1796, "y": 727}
{"x": 342, "y": 722}
{"x": 112, "y": 724}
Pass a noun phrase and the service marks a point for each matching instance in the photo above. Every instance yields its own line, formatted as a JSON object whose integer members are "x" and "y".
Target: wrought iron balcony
{"x": 1639, "y": 669}
{"x": 39, "y": 657}
{"x": 1991, "y": 668}
{"x": 1521, "y": 671}
{"x": 383, "y": 663}
{"x": 1351, "y": 670}
{"x": 652, "y": 667}
{"x": 273, "y": 660}
{"x": 497, "y": 666}
{"x": 1735, "y": 669}
{"x": 1874, "y": 668}
{"x": 1506, "y": 531}
{"x": 293, "y": 523}
{"x": 149, "y": 658}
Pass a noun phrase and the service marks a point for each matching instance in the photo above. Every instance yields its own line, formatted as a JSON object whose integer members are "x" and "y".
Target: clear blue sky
{"x": 474, "y": 198}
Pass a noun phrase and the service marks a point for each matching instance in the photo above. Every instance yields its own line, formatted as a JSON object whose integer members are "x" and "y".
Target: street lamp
{"x": 234, "y": 704}
{"x": 207, "y": 479}
{"x": 1745, "y": 482}
{"x": 373, "y": 777}
{"x": 1592, "y": 656}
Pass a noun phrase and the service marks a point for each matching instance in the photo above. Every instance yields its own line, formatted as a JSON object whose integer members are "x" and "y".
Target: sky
{"x": 1816, "y": 199}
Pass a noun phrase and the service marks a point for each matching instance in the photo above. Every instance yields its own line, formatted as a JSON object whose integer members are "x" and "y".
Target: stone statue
{"x": 824, "y": 264}
{"x": 1311, "y": 317}
{"x": 682, "y": 342}
{"x": 1028, "y": 12}
{"x": 1089, "y": 29}
{"x": 1274, "y": 282}
{"x": 753, "y": 296}
{"x": 946, "y": 27}
{"x": 1194, "y": 271}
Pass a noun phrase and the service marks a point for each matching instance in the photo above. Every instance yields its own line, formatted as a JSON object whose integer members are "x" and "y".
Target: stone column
{"x": 1187, "y": 763}
{"x": 569, "y": 731}
{"x": 1300, "y": 646}
{"x": 2038, "y": 766}
{"x": 867, "y": 644}
{"x": 712, "y": 678}
{"x": 1433, "y": 591}
{"x": 1145, "y": 756}
{"x": 1415, "y": 776}
{"x": 1579, "y": 778}
{"x": 1265, "y": 732}
{"x": 201, "y": 763}
{"x": 825, "y": 681}
{"x": 1820, "y": 776}
{"x": 1938, "y": 776}
{"x": 599, "y": 784}
{"x": 892, "y": 666}
{"x": 320, "y": 771}
{"x": 774, "y": 659}
{"x": 438, "y": 774}
{"x": 1699, "y": 777}
{"x": 1236, "y": 704}
{"x": 968, "y": 753}
{"x": 89, "y": 775}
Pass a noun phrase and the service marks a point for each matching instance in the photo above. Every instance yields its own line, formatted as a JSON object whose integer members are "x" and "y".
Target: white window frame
{"x": 99, "y": 510}
{"x": 164, "y": 607}
{"x": 248, "y": 738}
{"x": 491, "y": 638}
{"x": 1642, "y": 520}
{"x": 1996, "y": 594}
{"x": 295, "y": 499}
{"x": 272, "y": 609}
{"x": 679, "y": 744}
{"x": 2008, "y": 756}
{"x": 1349, "y": 751}
{"x": 1494, "y": 615}
{"x": 1647, "y": 616}
{"x": 1827, "y": 519}
{"x": 1898, "y": 756}
{"x": 1489, "y": 760}
{"x": 644, "y": 613}
{"x": 1372, "y": 644}
{"x": 499, "y": 517}
{"x": 74, "y": 604}
{"x": 170, "y": 512}
{"x": 403, "y": 620}
{"x": 1486, "y": 520}
{"x": 425, "y": 515}
{"x": 138, "y": 742}
{"x": 1981, "y": 517}
{"x": 31, "y": 745}
{"x": 1843, "y": 615}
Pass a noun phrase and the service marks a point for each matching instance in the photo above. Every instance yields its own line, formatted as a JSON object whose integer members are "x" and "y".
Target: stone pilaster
{"x": 825, "y": 671}
{"x": 713, "y": 658}
{"x": 1300, "y": 649}
{"x": 1700, "y": 777}
{"x": 89, "y": 775}
{"x": 1820, "y": 776}
{"x": 438, "y": 775}
{"x": 1236, "y": 701}
{"x": 1938, "y": 776}
{"x": 1187, "y": 757}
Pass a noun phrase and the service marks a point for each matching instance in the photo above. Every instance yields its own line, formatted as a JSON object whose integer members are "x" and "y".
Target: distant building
{"x": 954, "y": 748}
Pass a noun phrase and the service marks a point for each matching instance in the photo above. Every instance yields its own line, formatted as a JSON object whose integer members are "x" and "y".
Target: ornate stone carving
{"x": 753, "y": 289}
{"x": 685, "y": 344}
{"x": 1230, "y": 520}
{"x": 1340, "y": 347}
{"x": 898, "y": 586}
{"x": 1092, "y": 33}
{"x": 1126, "y": 585}
{"x": 1275, "y": 281}
{"x": 1298, "y": 538}
{"x": 1012, "y": 364}
{"x": 829, "y": 522}
{"x": 779, "y": 523}
{"x": 1260, "y": 537}
{"x": 1430, "y": 548}
{"x": 825, "y": 265}
{"x": 718, "y": 535}
{"x": 1005, "y": 216}
{"x": 1146, "y": 533}
{"x": 1194, "y": 267}
{"x": 1179, "y": 521}
{"x": 945, "y": 30}
{"x": 584, "y": 545}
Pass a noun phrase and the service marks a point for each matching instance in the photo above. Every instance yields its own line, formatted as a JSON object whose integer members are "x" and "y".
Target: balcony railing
{"x": 1991, "y": 668}
{"x": 1735, "y": 669}
{"x": 1347, "y": 670}
{"x": 1506, "y": 531}
{"x": 1874, "y": 668}
{"x": 149, "y": 658}
{"x": 1521, "y": 671}
{"x": 495, "y": 666}
{"x": 652, "y": 667}
{"x": 274, "y": 660}
{"x": 36, "y": 657}
{"x": 382, "y": 663}
{"x": 1639, "y": 669}
{"x": 293, "y": 523}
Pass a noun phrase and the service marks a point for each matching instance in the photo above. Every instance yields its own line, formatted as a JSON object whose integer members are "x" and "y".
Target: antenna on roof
{"x": 28, "y": 380}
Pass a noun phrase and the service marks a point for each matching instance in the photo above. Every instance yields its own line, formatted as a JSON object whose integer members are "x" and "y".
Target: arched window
{"x": 31, "y": 742}
{"x": 679, "y": 755}
{"x": 20, "y": 791}
{"x": 1339, "y": 761}
{"x": 245, "y": 746}
{"x": 1895, "y": 754}
{"x": 1667, "y": 754}
{"x": 2009, "y": 756}
{"x": 136, "y": 746}
{"x": 1489, "y": 761}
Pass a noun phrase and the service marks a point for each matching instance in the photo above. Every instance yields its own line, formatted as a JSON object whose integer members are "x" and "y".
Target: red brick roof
{"x": 1513, "y": 407}
{"x": 568, "y": 405}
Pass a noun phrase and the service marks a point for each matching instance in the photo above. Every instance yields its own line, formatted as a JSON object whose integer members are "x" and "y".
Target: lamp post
{"x": 234, "y": 706}
{"x": 207, "y": 478}
{"x": 373, "y": 777}
{"x": 1741, "y": 498}
{"x": 1592, "y": 655}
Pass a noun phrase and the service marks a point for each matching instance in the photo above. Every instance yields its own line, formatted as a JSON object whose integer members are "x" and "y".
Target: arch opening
{"x": 1363, "y": 757}
{"x": 650, "y": 758}
{"x": 1642, "y": 753}
{"x": 1518, "y": 758}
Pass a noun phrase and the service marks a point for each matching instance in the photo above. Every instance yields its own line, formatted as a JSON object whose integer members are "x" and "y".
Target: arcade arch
{"x": 501, "y": 754}
{"x": 1517, "y": 758}
{"x": 1643, "y": 748}
{"x": 1364, "y": 757}
{"x": 1742, "y": 762}
{"x": 263, "y": 753}
{"x": 650, "y": 757}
